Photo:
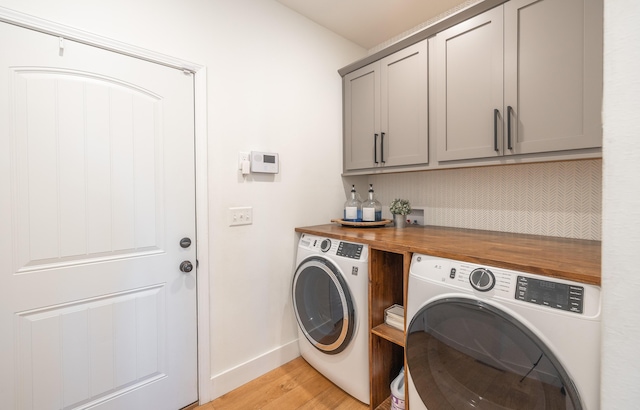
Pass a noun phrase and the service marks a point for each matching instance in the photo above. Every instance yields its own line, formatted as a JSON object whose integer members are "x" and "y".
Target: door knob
{"x": 185, "y": 242}
{"x": 186, "y": 267}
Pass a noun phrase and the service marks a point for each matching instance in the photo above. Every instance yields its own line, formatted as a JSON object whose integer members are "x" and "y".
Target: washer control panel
{"x": 333, "y": 247}
{"x": 349, "y": 250}
{"x": 553, "y": 294}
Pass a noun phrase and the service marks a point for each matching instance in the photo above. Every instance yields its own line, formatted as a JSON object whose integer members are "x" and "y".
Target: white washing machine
{"x": 330, "y": 300}
{"x": 491, "y": 338}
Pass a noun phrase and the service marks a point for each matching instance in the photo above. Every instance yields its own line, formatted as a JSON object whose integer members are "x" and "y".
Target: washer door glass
{"x": 463, "y": 354}
{"x": 323, "y": 305}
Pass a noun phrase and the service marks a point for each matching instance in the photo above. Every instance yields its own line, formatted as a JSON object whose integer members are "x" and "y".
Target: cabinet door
{"x": 469, "y": 88}
{"x": 404, "y": 110}
{"x": 361, "y": 117}
{"x": 553, "y": 74}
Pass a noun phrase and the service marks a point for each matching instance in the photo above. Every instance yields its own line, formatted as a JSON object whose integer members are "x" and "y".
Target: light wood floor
{"x": 295, "y": 385}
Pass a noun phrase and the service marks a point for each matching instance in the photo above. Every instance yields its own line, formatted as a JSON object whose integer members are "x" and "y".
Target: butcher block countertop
{"x": 572, "y": 259}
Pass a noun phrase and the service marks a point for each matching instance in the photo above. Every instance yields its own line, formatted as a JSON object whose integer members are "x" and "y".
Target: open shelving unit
{"x": 388, "y": 273}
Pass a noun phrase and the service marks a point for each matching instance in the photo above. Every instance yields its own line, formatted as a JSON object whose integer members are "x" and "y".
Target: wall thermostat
{"x": 265, "y": 162}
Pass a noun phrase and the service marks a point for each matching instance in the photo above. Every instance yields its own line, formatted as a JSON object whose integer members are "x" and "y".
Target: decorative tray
{"x": 362, "y": 224}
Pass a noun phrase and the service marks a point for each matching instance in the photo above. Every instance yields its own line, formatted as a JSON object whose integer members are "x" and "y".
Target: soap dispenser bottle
{"x": 371, "y": 208}
{"x": 353, "y": 207}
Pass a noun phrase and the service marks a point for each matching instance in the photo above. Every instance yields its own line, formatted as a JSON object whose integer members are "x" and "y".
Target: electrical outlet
{"x": 241, "y": 216}
{"x": 242, "y": 157}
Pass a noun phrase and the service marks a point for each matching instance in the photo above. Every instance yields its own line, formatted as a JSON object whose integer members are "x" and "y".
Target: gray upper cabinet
{"x": 386, "y": 112}
{"x": 521, "y": 78}
{"x": 361, "y": 117}
{"x": 553, "y": 74}
{"x": 469, "y": 88}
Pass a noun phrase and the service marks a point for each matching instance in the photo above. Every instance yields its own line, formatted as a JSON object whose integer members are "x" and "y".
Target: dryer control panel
{"x": 552, "y": 294}
{"x": 535, "y": 291}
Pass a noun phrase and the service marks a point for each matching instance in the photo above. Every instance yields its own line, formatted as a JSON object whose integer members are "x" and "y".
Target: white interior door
{"x": 96, "y": 191}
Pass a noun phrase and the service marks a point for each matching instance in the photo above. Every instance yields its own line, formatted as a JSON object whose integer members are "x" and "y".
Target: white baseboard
{"x": 235, "y": 377}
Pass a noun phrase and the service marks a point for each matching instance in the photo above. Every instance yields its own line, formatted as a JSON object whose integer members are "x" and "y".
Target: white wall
{"x": 272, "y": 85}
{"x": 621, "y": 206}
{"x": 276, "y": 88}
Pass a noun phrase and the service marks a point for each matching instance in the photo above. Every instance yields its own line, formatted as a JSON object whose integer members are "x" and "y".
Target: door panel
{"x": 109, "y": 211}
{"x": 97, "y": 189}
{"x": 469, "y": 87}
{"x": 68, "y": 355}
{"x": 361, "y": 118}
{"x": 553, "y": 74}
{"x": 404, "y": 106}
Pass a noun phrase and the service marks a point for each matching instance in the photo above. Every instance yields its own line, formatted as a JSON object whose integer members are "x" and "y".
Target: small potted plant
{"x": 400, "y": 208}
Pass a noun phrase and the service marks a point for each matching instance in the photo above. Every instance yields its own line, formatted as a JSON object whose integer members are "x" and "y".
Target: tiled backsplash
{"x": 555, "y": 198}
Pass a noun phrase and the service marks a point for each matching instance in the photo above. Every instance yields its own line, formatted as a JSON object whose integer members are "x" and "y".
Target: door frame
{"x": 201, "y": 156}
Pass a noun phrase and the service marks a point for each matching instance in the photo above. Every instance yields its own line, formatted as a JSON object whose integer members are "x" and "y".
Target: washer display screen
{"x": 349, "y": 250}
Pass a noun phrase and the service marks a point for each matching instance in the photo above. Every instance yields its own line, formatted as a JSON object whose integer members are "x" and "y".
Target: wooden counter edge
{"x": 590, "y": 275}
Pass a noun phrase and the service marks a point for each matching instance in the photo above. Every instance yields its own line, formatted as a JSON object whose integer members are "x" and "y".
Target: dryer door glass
{"x": 323, "y": 305}
{"x": 463, "y": 354}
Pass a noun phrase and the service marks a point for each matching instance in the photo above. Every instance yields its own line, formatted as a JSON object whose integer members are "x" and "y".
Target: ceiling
{"x": 369, "y": 23}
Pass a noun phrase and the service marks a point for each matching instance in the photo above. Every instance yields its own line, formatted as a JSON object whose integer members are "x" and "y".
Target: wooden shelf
{"x": 385, "y": 405}
{"x": 389, "y": 333}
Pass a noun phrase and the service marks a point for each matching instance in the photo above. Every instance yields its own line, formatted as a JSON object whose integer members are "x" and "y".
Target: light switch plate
{"x": 241, "y": 215}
